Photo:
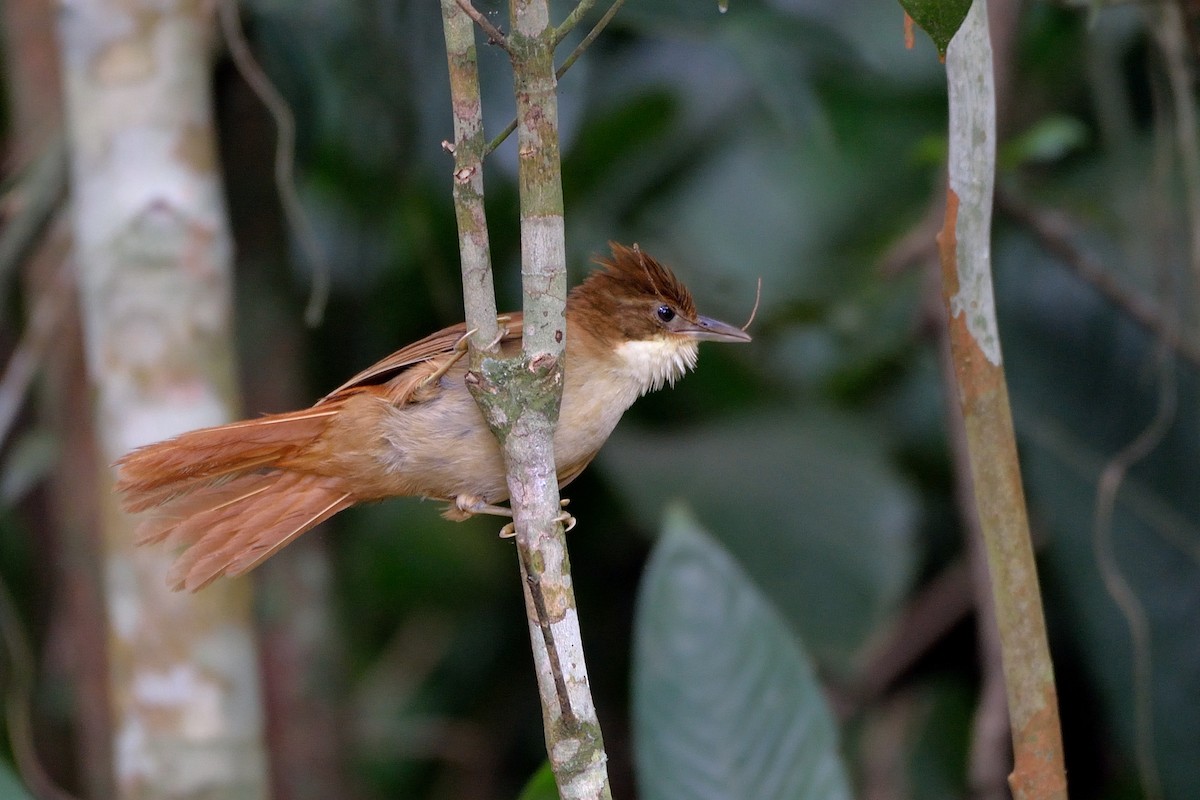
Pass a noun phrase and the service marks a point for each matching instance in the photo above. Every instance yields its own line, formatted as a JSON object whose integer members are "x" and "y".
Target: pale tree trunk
{"x": 152, "y": 252}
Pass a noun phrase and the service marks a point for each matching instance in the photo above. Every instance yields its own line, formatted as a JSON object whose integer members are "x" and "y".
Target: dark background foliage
{"x": 801, "y": 143}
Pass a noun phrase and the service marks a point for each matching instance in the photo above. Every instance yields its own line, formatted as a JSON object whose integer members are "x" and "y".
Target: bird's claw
{"x": 568, "y": 521}
{"x": 461, "y": 345}
{"x": 457, "y": 352}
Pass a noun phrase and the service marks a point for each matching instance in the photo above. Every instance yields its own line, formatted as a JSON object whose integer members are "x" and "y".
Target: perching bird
{"x": 234, "y": 495}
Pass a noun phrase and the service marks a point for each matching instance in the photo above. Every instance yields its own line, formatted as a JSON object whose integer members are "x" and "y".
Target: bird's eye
{"x": 666, "y": 313}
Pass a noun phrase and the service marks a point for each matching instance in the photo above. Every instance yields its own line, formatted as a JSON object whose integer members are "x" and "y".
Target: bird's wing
{"x": 404, "y": 370}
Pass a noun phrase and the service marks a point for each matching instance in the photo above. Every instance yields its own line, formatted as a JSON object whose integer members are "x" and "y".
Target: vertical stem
{"x": 964, "y": 245}
{"x": 520, "y": 397}
{"x": 479, "y": 294}
{"x": 539, "y": 176}
{"x": 153, "y": 251}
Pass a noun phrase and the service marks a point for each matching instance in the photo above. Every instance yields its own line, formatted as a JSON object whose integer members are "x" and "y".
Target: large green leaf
{"x": 806, "y": 501}
{"x": 725, "y": 703}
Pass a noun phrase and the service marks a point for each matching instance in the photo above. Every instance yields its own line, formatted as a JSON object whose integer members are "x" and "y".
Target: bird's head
{"x": 646, "y": 315}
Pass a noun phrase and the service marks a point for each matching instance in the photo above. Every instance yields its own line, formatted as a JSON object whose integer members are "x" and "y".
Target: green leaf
{"x": 1048, "y": 140}
{"x": 807, "y": 501}
{"x": 725, "y": 703}
{"x": 938, "y": 18}
{"x": 541, "y": 786}
{"x": 10, "y": 786}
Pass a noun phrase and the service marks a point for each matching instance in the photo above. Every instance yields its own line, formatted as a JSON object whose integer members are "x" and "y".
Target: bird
{"x": 231, "y": 496}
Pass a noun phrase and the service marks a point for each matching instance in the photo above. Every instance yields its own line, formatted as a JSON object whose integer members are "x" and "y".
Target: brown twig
{"x": 1168, "y": 27}
{"x": 27, "y": 356}
{"x": 943, "y": 602}
{"x": 37, "y": 194}
{"x": 18, "y": 701}
{"x": 1054, "y": 232}
{"x": 285, "y": 155}
{"x": 495, "y": 36}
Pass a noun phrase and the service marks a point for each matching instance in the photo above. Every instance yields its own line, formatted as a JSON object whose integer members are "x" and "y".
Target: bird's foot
{"x": 565, "y": 517}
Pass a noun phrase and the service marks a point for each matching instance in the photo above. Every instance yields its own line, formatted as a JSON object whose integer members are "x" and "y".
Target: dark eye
{"x": 666, "y": 313}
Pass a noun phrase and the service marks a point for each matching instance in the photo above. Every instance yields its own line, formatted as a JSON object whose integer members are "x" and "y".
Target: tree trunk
{"x": 152, "y": 249}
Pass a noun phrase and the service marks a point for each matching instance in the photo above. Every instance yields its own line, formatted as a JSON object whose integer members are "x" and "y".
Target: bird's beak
{"x": 713, "y": 330}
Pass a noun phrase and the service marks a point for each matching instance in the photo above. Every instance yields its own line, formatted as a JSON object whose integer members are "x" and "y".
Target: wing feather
{"x": 431, "y": 348}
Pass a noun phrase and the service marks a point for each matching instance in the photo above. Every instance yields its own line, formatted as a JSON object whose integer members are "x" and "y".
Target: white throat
{"x": 653, "y": 363}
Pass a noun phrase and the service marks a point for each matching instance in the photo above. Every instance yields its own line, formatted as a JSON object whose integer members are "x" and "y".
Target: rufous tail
{"x": 226, "y": 495}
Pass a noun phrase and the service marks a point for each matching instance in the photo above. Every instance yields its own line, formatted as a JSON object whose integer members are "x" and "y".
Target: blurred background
{"x": 795, "y": 141}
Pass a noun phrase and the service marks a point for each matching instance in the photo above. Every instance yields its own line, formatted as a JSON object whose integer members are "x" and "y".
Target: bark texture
{"x": 153, "y": 251}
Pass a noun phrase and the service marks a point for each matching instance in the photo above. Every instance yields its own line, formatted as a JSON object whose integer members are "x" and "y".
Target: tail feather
{"x": 230, "y": 528}
{"x": 227, "y": 497}
{"x": 157, "y": 473}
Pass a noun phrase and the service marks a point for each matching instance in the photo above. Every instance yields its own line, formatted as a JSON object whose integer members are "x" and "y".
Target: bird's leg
{"x": 470, "y": 504}
{"x": 460, "y": 350}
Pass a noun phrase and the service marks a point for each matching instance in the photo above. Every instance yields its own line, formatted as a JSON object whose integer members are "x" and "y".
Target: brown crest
{"x": 629, "y": 271}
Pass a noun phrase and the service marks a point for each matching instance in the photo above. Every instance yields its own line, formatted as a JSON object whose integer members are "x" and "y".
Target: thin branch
{"x": 543, "y": 619}
{"x": 1054, "y": 232}
{"x": 942, "y": 603}
{"x": 500, "y": 137}
{"x": 35, "y": 195}
{"x": 18, "y": 702}
{"x": 285, "y": 155}
{"x": 39, "y": 333}
{"x": 574, "y": 18}
{"x": 495, "y": 36}
{"x": 570, "y": 60}
{"x": 586, "y": 42}
{"x": 479, "y": 293}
